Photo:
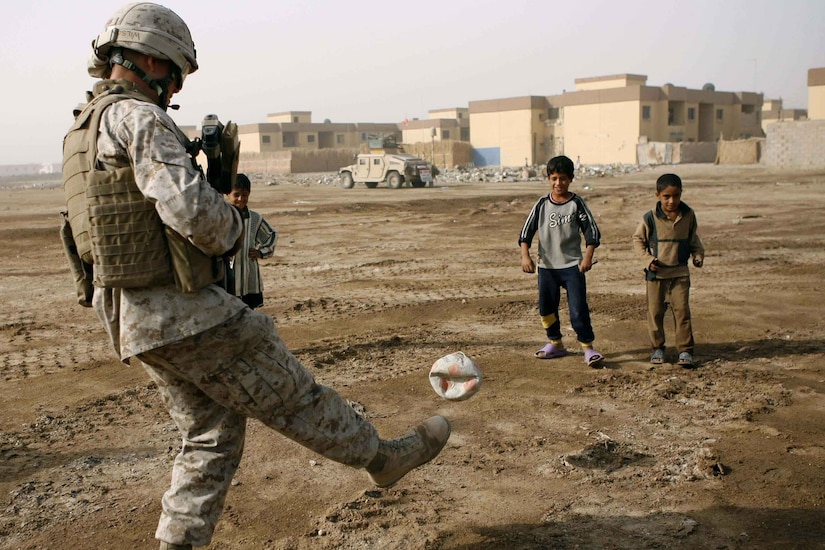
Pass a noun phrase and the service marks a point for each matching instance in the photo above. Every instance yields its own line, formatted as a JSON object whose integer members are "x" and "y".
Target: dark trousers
{"x": 551, "y": 281}
{"x": 253, "y": 300}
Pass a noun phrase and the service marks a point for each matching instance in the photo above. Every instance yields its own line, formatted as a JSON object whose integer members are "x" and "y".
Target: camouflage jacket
{"x": 140, "y": 319}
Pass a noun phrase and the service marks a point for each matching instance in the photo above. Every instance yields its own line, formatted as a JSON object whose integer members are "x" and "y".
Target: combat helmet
{"x": 147, "y": 28}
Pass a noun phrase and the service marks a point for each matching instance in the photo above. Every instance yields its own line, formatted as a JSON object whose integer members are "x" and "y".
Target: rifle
{"x": 219, "y": 143}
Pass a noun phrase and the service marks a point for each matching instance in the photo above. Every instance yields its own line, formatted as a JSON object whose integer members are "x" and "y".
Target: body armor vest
{"x": 115, "y": 228}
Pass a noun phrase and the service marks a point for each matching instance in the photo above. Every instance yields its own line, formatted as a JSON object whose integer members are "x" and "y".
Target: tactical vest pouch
{"x": 128, "y": 245}
{"x": 193, "y": 269}
{"x": 81, "y": 271}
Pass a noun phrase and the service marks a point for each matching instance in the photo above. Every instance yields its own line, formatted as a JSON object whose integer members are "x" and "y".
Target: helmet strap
{"x": 160, "y": 86}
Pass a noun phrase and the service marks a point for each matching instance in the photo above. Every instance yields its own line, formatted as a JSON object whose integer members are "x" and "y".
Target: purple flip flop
{"x": 551, "y": 351}
{"x": 592, "y": 357}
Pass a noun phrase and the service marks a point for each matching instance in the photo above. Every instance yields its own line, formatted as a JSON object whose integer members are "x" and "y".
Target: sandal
{"x": 592, "y": 357}
{"x": 551, "y": 351}
{"x": 658, "y": 356}
{"x": 685, "y": 359}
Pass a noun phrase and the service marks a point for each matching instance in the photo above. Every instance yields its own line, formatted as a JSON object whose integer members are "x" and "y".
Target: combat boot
{"x": 418, "y": 446}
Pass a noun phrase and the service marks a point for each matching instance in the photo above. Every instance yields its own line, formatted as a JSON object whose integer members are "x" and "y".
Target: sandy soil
{"x": 369, "y": 287}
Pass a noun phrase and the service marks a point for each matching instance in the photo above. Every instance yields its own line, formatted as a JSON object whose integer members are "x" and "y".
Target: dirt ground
{"x": 368, "y": 288}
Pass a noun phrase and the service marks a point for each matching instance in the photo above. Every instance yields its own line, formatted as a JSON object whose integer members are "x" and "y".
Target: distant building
{"x": 511, "y": 132}
{"x": 442, "y": 125}
{"x": 816, "y": 94}
{"x": 295, "y": 117}
{"x": 773, "y": 111}
{"x": 603, "y": 120}
{"x": 295, "y": 129}
{"x": 798, "y": 142}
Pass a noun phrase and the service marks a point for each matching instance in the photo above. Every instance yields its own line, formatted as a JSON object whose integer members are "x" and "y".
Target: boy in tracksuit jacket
{"x": 666, "y": 239}
{"x": 561, "y": 220}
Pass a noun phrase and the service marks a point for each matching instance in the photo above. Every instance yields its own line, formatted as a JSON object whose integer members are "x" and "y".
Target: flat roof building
{"x": 816, "y": 94}
{"x": 605, "y": 118}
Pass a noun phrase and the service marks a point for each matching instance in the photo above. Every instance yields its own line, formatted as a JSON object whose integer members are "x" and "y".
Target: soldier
{"x": 153, "y": 228}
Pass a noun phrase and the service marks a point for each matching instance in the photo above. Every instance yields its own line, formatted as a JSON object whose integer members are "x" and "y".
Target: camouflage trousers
{"x": 211, "y": 383}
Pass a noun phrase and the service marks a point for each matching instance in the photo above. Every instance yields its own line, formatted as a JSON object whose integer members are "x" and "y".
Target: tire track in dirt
{"x": 29, "y": 349}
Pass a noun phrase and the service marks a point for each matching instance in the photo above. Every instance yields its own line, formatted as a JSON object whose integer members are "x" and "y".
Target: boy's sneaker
{"x": 170, "y": 546}
{"x": 685, "y": 359}
{"x": 658, "y": 356}
{"x": 418, "y": 446}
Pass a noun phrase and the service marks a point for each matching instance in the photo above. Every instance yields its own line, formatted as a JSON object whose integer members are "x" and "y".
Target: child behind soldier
{"x": 666, "y": 238}
{"x": 561, "y": 218}
{"x": 243, "y": 273}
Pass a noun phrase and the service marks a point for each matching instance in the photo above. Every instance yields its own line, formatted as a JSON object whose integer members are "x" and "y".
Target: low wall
{"x": 697, "y": 152}
{"x": 657, "y": 152}
{"x": 444, "y": 154}
{"x": 447, "y": 154}
{"x": 296, "y": 161}
{"x": 740, "y": 151}
{"x": 797, "y": 144}
{"x": 654, "y": 152}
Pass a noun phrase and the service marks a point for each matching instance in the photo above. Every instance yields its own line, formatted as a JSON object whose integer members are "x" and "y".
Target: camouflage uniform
{"x": 215, "y": 361}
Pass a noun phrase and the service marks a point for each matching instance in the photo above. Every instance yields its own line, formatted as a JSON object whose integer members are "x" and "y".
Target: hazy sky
{"x": 379, "y": 61}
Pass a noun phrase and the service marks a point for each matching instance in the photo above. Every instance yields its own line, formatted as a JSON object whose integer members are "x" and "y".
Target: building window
{"x": 645, "y": 112}
{"x": 691, "y": 113}
{"x": 339, "y": 139}
{"x": 719, "y": 113}
{"x": 460, "y": 116}
{"x": 295, "y": 119}
{"x": 364, "y": 136}
{"x": 265, "y": 139}
{"x": 445, "y": 134}
{"x": 553, "y": 113}
{"x": 311, "y": 138}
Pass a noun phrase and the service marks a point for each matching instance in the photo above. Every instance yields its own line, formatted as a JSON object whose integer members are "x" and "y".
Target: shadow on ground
{"x": 718, "y": 527}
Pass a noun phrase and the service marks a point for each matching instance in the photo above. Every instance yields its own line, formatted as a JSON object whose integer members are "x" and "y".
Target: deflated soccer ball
{"x": 455, "y": 377}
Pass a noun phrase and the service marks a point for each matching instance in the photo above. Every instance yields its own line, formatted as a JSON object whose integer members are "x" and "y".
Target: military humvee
{"x": 387, "y": 162}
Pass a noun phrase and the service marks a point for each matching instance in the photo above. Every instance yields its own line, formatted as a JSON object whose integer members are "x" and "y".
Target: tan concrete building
{"x": 604, "y": 119}
{"x": 816, "y": 94}
{"x": 296, "y": 117}
{"x": 442, "y": 125}
{"x": 295, "y": 130}
{"x": 773, "y": 111}
{"x": 509, "y": 132}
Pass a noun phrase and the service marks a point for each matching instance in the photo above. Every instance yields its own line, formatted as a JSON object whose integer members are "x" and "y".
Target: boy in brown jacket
{"x": 666, "y": 239}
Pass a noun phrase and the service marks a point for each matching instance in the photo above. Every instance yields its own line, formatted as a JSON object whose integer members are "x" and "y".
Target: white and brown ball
{"x": 455, "y": 377}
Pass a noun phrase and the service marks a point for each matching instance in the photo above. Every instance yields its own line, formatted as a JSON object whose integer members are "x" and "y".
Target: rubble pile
{"x": 446, "y": 176}
{"x": 492, "y": 174}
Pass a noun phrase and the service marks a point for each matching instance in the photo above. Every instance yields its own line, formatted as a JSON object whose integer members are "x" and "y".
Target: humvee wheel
{"x": 346, "y": 180}
{"x": 395, "y": 180}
